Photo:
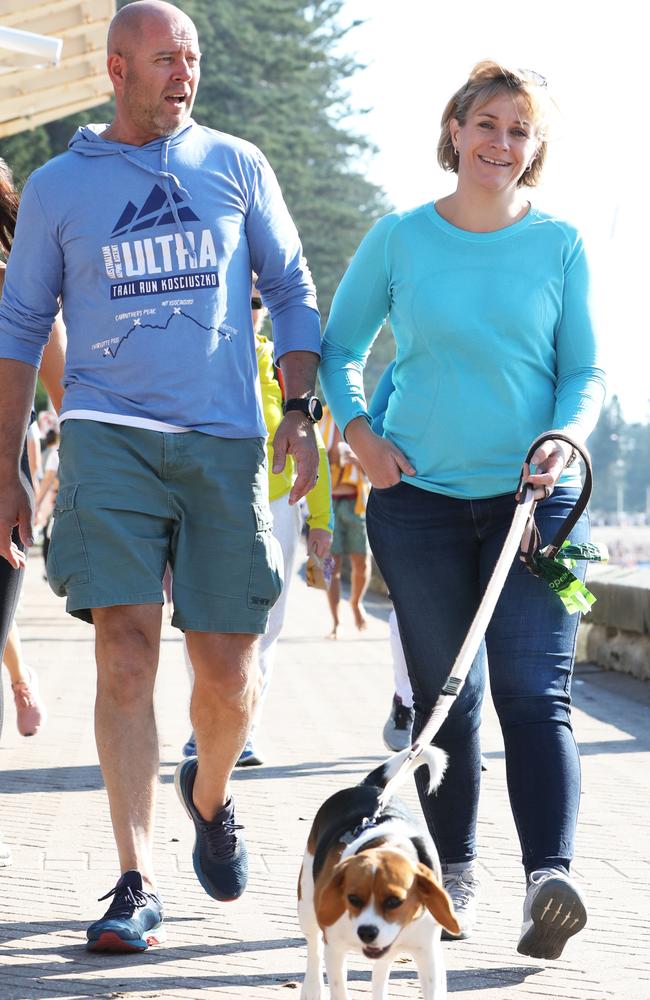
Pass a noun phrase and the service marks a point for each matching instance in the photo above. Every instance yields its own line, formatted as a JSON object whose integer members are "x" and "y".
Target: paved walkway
{"x": 322, "y": 731}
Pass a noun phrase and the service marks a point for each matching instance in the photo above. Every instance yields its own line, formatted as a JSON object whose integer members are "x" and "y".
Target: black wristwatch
{"x": 311, "y": 406}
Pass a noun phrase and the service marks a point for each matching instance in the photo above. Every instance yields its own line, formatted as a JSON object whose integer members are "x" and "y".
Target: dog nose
{"x": 368, "y": 933}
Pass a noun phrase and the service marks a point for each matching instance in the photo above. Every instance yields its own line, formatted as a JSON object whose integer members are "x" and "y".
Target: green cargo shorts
{"x": 132, "y": 500}
{"x": 349, "y": 528}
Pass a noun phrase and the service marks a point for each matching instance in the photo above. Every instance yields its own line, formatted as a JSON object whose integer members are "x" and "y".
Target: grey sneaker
{"x": 554, "y": 910}
{"x": 463, "y": 886}
{"x": 397, "y": 731}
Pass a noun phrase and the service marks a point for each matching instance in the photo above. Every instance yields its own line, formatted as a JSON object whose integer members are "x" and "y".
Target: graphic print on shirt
{"x": 160, "y": 264}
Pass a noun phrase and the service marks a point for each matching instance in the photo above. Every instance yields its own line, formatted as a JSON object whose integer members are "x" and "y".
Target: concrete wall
{"x": 616, "y": 634}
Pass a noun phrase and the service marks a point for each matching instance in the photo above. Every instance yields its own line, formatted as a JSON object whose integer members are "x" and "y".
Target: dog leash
{"x": 540, "y": 562}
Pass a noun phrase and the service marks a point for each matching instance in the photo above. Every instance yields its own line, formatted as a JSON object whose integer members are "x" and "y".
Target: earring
{"x": 456, "y": 153}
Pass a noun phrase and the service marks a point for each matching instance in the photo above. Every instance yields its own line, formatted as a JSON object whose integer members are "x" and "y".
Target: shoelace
{"x": 126, "y": 900}
{"x": 222, "y": 838}
{"x": 542, "y": 874}
{"x": 461, "y": 886}
{"x": 403, "y": 716}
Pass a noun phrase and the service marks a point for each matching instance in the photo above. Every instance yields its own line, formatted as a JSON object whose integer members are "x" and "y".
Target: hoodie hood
{"x": 88, "y": 141}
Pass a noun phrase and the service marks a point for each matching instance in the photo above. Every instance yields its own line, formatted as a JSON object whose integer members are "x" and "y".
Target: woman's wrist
{"x": 357, "y": 432}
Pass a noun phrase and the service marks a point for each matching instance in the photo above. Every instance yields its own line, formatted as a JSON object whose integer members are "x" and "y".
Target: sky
{"x": 417, "y": 53}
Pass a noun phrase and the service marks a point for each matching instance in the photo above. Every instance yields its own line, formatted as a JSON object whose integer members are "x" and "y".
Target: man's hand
{"x": 295, "y": 436}
{"x": 382, "y": 461}
{"x": 319, "y": 542}
{"x": 16, "y": 508}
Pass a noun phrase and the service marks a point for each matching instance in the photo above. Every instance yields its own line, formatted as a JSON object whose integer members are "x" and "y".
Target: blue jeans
{"x": 436, "y": 554}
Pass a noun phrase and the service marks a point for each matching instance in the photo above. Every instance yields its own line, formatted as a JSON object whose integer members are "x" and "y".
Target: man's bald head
{"x": 127, "y": 27}
{"x": 153, "y": 62}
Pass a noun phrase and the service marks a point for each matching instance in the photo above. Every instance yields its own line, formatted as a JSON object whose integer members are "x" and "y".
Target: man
{"x": 148, "y": 230}
{"x": 350, "y": 488}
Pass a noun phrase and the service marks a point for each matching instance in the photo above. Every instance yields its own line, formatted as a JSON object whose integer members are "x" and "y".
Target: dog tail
{"x": 434, "y": 758}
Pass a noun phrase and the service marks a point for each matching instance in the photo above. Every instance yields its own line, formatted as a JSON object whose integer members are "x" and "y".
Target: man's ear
{"x": 330, "y": 901}
{"x": 436, "y": 900}
{"x": 116, "y": 68}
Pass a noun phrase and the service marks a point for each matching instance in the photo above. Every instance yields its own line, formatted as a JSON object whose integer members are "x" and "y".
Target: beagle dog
{"x": 371, "y": 882}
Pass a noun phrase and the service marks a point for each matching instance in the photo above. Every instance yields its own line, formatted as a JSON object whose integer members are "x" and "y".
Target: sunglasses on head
{"x": 533, "y": 77}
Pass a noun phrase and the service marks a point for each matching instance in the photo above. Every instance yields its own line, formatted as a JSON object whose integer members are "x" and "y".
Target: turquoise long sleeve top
{"x": 495, "y": 344}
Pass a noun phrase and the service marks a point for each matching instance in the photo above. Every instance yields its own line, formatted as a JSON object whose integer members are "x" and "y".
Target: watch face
{"x": 315, "y": 408}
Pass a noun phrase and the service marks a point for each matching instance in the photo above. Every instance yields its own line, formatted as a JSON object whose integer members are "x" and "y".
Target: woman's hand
{"x": 382, "y": 461}
{"x": 550, "y": 460}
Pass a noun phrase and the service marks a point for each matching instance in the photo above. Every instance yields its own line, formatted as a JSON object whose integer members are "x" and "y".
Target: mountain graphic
{"x": 155, "y": 212}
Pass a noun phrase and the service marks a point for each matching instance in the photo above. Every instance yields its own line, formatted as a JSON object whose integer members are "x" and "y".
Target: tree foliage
{"x": 621, "y": 458}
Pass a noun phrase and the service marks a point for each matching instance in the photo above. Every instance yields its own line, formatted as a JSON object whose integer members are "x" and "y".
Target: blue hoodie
{"x": 150, "y": 249}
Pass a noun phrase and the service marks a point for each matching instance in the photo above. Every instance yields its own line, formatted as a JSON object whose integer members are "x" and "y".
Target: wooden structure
{"x": 31, "y": 95}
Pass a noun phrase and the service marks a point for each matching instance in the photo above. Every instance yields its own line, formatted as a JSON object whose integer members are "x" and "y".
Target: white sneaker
{"x": 554, "y": 910}
{"x": 463, "y": 886}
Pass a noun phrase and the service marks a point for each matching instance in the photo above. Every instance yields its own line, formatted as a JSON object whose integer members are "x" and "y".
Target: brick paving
{"x": 322, "y": 731}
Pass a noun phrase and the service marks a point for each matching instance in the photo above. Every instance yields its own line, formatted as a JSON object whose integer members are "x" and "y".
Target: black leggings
{"x": 10, "y": 583}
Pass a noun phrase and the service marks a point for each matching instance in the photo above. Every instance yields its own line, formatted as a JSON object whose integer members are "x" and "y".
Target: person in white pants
{"x": 287, "y": 524}
{"x": 397, "y": 730}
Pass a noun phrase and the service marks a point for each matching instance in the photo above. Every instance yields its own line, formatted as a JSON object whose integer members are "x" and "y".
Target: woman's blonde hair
{"x": 485, "y": 81}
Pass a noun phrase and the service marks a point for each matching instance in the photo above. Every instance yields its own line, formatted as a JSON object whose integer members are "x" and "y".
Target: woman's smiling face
{"x": 496, "y": 144}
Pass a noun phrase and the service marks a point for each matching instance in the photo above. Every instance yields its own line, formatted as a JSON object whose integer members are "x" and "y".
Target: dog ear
{"x": 436, "y": 899}
{"x": 330, "y": 902}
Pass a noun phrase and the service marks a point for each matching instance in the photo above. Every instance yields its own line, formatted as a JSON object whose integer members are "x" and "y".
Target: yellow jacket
{"x": 319, "y": 500}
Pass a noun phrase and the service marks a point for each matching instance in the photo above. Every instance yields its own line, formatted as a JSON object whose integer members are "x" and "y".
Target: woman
{"x": 30, "y": 712}
{"x": 488, "y": 300}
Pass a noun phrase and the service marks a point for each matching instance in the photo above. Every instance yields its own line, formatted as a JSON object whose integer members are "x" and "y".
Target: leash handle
{"x": 581, "y": 503}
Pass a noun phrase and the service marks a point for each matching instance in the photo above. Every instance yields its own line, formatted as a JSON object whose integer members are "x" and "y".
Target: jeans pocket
{"x": 67, "y": 559}
{"x": 383, "y": 490}
{"x": 265, "y": 583}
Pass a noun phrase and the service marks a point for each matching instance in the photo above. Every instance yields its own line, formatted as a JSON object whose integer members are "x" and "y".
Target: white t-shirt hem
{"x": 118, "y": 418}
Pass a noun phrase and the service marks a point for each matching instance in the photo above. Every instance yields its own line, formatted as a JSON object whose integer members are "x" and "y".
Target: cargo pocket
{"x": 67, "y": 561}
{"x": 265, "y": 583}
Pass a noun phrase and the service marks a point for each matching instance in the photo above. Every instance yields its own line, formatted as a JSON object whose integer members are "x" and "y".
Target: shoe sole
{"x": 557, "y": 913}
{"x": 463, "y": 936}
{"x": 197, "y": 871}
{"x": 253, "y": 761}
{"x": 393, "y": 747}
{"x": 110, "y": 941}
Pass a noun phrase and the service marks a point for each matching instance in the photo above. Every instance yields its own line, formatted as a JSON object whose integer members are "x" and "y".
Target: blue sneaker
{"x": 220, "y": 856}
{"x": 189, "y": 748}
{"x": 133, "y": 921}
{"x": 249, "y": 757}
